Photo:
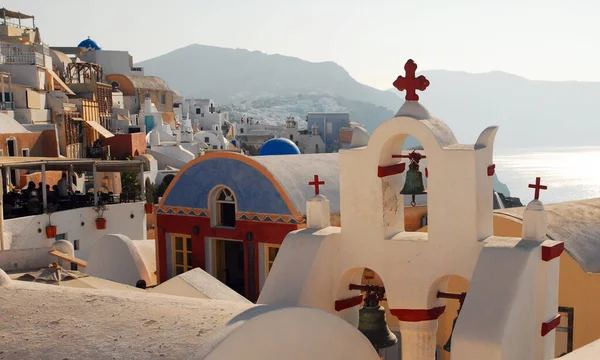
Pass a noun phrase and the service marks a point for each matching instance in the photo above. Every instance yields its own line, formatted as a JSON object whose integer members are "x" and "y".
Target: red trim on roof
{"x": 550, "y": 325}
{"x": 552, "y": 252}
{"x": 390, "y": 170}
{"x": 416, "y": 315}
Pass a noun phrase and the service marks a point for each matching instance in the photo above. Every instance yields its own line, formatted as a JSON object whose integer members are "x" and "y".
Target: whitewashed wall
{"x": 22, "y": 239}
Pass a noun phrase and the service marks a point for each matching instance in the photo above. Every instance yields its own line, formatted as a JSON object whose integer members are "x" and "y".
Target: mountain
{"x": 530, "y": 113}
{"x": 234, "y": 74}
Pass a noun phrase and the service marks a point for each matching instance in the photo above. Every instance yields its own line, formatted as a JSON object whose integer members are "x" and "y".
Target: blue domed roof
{"x": 89, "y": 44}
{"x": 279, "y": 146}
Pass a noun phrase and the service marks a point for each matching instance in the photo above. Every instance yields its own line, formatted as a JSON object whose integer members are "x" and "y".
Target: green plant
{"x": 50, "y": 208}
{"x": 150, "y": 192}
{"x": 100, "y": 208}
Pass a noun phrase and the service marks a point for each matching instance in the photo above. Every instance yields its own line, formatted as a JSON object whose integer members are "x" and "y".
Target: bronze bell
{"x": 371, "y": 318}
{"x": 414, "y": 182}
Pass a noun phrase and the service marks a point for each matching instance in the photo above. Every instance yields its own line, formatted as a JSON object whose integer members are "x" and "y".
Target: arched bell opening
{"x": 449, "y": 291}
{"x": 363, "y": 291}
{"x": 403, "y": 176}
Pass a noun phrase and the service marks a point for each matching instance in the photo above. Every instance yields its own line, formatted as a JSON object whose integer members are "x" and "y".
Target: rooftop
{"x": 66, "y": 164}
{"x": 120, "y": 324}
{"x": 581, "y": 233}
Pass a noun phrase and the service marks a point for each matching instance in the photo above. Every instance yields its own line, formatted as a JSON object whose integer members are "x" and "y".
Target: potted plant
{"x": 149, "y": 205}
{"x": 50, "y": 229}
{"x": 100, "y": 220}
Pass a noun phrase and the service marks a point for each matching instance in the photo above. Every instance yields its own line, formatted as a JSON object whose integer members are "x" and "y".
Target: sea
{"x": 571, "y": 173}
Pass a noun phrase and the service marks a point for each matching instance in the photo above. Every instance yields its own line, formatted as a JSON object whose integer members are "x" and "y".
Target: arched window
{"x": 225, "y": 208}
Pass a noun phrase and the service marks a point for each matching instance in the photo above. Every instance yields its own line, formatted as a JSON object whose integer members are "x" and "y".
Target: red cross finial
{"x": 537, "y": 186}
{"x": 410, "y": 83}
{"x": 316, "y": 184}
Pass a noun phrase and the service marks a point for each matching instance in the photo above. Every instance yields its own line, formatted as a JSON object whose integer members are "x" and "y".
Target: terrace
{"x": 24, "y": 202}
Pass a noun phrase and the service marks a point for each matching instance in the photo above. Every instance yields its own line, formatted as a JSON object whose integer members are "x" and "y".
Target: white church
{"x": 310, "y": 305}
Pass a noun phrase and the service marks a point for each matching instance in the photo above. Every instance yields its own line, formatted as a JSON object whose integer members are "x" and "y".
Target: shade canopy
{"x": 63, "y": 164}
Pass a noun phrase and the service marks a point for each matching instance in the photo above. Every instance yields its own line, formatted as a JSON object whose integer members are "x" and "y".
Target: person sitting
{"x": 27, "y": 192}
{"x": 63, "y": 186}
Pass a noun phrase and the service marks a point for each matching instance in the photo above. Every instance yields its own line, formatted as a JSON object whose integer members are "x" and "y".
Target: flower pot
{"x": 148, "y": 207}
{"x": 100, "y": 223}
{"x": 50, "y": 231}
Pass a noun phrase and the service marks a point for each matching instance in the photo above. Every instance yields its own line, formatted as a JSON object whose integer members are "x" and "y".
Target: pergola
{"x": 69, "y": 165}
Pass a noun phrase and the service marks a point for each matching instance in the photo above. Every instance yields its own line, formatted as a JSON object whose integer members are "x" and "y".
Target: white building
{"x": 26, "y": 240}
{"x": 511, "y": 308}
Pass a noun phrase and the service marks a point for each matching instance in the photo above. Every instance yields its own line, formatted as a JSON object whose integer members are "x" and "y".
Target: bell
{"x": 371, "y": 322}
{"x": 414, "y": 183}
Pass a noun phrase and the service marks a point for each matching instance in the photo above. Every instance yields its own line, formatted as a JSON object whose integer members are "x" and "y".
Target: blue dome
{"x": 89, "y": 44}
{"x": 279, "y": 146}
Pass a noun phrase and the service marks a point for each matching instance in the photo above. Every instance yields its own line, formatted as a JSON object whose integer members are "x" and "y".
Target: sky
{"x": 372, "y": 39}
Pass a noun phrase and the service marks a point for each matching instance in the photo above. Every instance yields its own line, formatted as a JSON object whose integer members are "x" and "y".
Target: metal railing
{"x": 23, "y": 54}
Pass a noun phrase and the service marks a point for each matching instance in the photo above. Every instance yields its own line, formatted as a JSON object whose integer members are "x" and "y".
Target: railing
{"x": 95, "y": 152}
{"x": 7, "y": 105}
{"x": 23, "y": 54}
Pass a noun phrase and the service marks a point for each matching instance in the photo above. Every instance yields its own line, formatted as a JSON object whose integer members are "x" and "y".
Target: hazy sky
{"x": 537, "y": 39}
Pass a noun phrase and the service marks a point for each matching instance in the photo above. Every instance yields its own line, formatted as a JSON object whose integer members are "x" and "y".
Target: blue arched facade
{"x": 254, "y": 192}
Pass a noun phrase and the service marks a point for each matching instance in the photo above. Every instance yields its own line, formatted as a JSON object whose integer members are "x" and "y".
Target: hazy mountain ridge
{"x": 530, "y": 113}
{"x": 237, "y": 73}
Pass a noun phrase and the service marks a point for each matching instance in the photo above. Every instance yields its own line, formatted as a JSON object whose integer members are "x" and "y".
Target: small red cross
{"x": 316, "y": 184}
{"x": 537, "y": 186}
{"x": 410, "y": 83}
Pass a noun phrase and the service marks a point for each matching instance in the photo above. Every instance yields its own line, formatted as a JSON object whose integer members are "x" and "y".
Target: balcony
{"x": 36, "y": 201}
{"x": 19, "y": 54}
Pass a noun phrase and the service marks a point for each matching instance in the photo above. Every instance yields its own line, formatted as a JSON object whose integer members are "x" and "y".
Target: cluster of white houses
{"x": 85, "y": 137}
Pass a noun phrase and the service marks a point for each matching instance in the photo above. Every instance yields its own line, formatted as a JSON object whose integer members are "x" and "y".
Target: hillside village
{"x": 169, "y": 225}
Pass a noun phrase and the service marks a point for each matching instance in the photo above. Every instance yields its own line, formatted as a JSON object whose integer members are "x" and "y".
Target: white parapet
{"x": 535, "y": 221}
{"x": 317, "y": 212}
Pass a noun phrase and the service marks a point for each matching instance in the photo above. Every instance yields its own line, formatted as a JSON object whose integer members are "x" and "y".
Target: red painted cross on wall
{"x": 537, "y": 186}
{"x": 316, "y": 184}
{"x": 410, "y": 83}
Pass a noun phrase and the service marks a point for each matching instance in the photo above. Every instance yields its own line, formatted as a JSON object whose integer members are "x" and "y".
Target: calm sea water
{"x": 571, "y": 173}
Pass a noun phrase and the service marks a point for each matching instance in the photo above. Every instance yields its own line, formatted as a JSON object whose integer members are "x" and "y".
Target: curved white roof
{"x": 294, "y": 172}
{"x": 57, "y": 322}
{"x": 580, "y": 233}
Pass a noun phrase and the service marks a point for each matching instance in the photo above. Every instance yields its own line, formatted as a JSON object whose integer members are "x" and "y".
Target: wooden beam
{"x": 62, "y": 255}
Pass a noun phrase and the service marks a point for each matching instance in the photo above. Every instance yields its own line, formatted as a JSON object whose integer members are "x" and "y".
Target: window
{"x": 198, "y": 111}
{"x": 221, "y": 147}
{"x": 76, "y": 244}
{"x": 241, "y": 130}
{"x": 271, "y": 254}
{"x": 182, "y": 253}
{"x": 25, "y": 152}
{"x": 11, "y": 144}
{"x": 225, "y": 208}
{"x": 163, "y": 99}
{"x": 564, "y": 331}
{"x": 61, "y": 236}
{"x": 206, "y": 139}
{"x": 215, "y": 147}
{"x": 329, "y": 128}
{"x": 291, "y": 137}
{"x": 316, "y": 148}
